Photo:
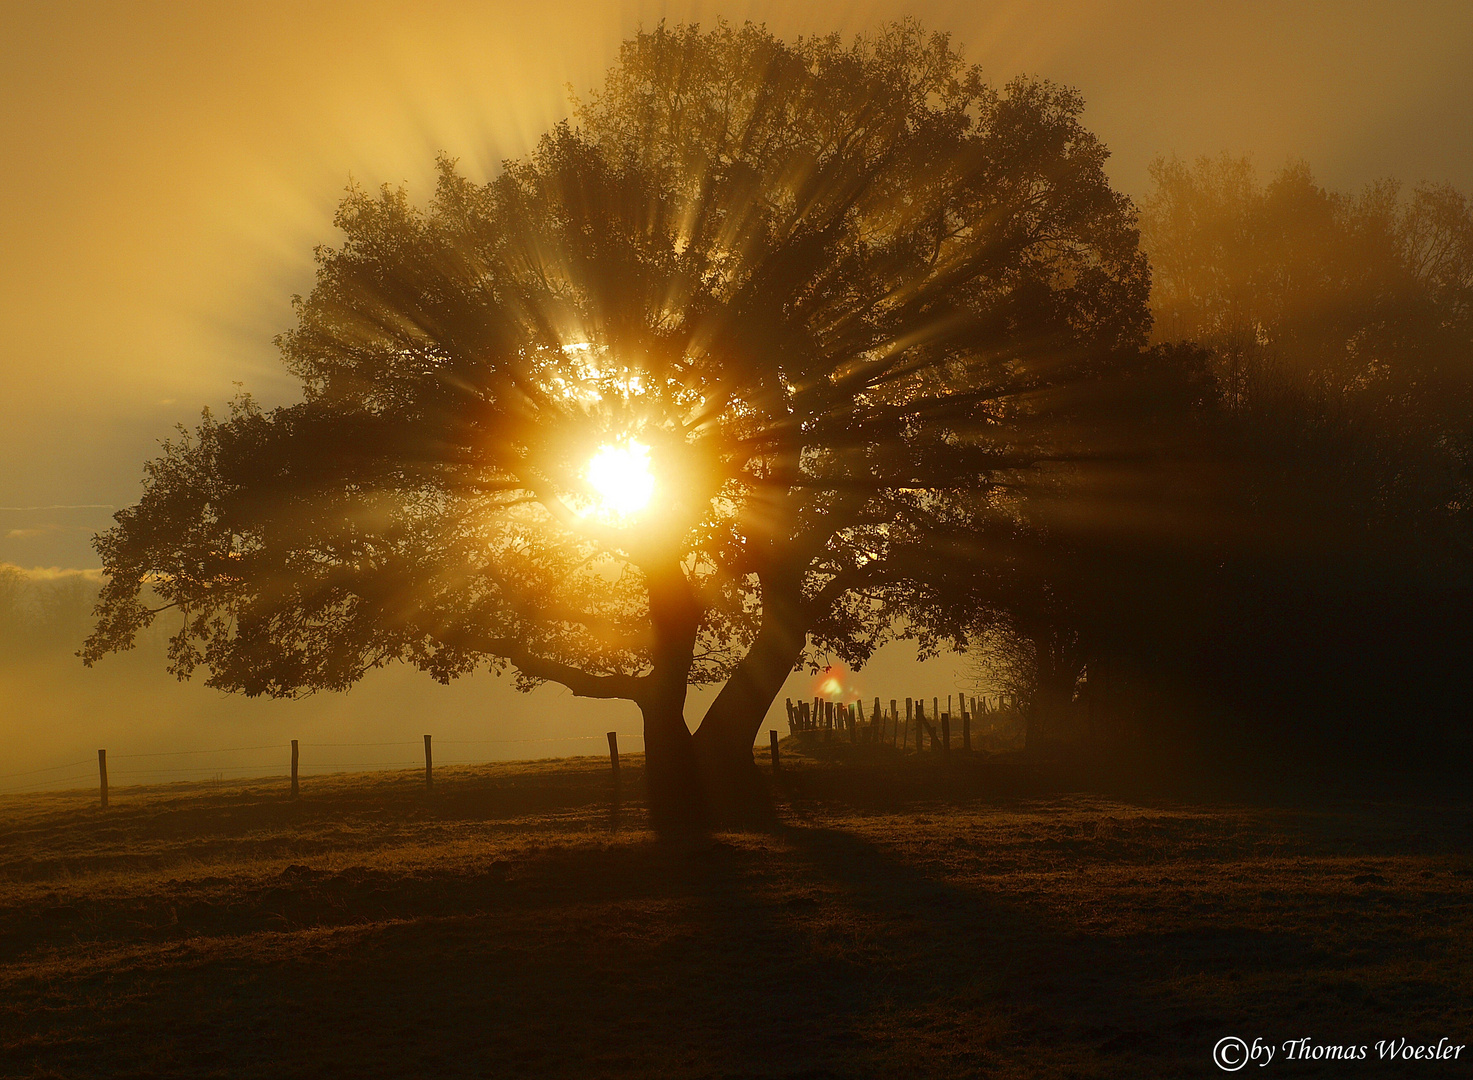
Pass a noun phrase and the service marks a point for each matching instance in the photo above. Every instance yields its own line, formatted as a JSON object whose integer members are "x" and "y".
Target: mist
{"x": 157, "y": 729}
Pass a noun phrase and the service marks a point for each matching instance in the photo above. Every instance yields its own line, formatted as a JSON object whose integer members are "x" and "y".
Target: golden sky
{"x": 168, "y": 166}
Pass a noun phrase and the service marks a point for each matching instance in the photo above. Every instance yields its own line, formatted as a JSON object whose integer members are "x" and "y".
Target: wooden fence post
{"x": 905, "y": 739}
{"x": 429, "y": 774}
{"x": 614, "y": 802}
{"x": 102, "y": 775}
{"x": 945, "y": 734}
{"x": 853, "y": 724}
{"x": 966, "y": 730}
{"x": 895, "y": 716}
{"x": 294, "y": 768}
{"x": 772, "y": 743}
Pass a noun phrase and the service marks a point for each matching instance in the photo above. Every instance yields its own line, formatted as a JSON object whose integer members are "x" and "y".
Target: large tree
{"x": 830, "y": 296}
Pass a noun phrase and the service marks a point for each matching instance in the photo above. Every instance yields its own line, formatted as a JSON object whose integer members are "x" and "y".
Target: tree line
{"x": 1308, "y": 590}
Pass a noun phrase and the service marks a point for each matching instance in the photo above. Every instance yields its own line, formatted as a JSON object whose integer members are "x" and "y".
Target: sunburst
{"x": 620, "y": 476}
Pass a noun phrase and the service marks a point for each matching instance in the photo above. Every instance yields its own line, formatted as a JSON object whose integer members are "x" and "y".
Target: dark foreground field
{"x": 504, "y": 927}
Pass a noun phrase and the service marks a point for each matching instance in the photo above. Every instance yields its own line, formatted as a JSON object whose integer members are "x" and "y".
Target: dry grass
{"x": 506, "y": 927}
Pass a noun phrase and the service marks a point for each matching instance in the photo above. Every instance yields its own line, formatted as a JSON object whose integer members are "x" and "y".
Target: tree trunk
{"x": 723, "y": 742}
{"x": 1056, "y": 674}
{"x": 677, "y": 799}
{"x": 1037, "y": 714}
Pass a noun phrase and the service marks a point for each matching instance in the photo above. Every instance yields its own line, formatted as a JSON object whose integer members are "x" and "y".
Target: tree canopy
{"x": 836, "y": 293}
{"x": 1368, "y": 294}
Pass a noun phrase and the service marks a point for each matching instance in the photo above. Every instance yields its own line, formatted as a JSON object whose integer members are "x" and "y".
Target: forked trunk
{"x": 723, "y": 742}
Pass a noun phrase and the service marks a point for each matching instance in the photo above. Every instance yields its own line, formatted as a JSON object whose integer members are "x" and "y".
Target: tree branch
{"x": 581, "y": 683}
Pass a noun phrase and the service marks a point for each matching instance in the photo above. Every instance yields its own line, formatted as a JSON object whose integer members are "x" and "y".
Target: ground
{"x": 902, "y": 919}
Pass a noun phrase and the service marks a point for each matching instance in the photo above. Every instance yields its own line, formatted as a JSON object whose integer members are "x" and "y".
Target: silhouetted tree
{"x": 835, "y": 291}
{"x": 1296, "y": 570}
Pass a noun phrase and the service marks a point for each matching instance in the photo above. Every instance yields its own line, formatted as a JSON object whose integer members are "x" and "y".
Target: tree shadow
{"x": 857, "y": 939}
{"x": 810, "y": 951}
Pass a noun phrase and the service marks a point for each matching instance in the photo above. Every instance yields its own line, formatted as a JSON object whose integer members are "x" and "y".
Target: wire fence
{"x": 150, "y": 766}
{"x": 161, "y": 766}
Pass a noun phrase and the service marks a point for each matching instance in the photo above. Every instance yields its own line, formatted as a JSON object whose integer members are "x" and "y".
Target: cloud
{"x": 61, "y": 506}
{"x": 42, "y": 574}
{"x": 44, "y": 530}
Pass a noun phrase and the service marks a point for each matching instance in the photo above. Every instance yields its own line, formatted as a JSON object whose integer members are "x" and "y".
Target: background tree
{"x": 1368, "y": 295}
{"x": 1294, "y": 576}
{"x": 830, "y": 292}
{"x": 1340, "y": 331}
{"x": 1034, "y": 653}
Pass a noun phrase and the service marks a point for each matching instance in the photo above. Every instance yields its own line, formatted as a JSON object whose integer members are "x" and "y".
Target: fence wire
{"x": 78, "y": 773}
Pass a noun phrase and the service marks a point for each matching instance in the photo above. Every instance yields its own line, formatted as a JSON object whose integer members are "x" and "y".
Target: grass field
{"x": 900, "y": 921}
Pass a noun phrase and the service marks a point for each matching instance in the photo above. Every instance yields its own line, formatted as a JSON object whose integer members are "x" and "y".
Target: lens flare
{"x": 833, "y": 682}
{"x": 619, "y": 474}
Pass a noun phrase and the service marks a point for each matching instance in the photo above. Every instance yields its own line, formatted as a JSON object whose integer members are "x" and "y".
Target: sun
{"x": 620, "y": 476}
